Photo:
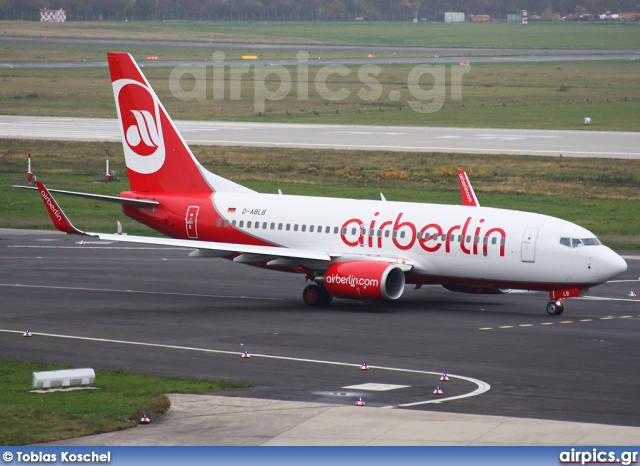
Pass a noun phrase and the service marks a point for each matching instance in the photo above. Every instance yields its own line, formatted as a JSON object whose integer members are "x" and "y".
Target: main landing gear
{"x": 555, "y": 307}
{"x": 313, "y": 295}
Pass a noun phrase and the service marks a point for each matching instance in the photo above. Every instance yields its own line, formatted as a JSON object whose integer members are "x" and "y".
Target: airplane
{"x": 347, "y": 248}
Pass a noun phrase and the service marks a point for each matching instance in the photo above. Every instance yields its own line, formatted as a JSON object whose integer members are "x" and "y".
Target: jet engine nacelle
{"x": 364, "y": 280}
{"x": 476, "y": 289}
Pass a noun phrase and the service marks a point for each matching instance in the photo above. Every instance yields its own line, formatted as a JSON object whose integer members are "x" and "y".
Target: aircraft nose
{"x": 610, "y": 264}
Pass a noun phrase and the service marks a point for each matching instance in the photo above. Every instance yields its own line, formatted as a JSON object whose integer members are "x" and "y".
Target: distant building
{"x": 53, "y": 16}
{"x": 453, "y": 17}
{"x": 480, "y": 18}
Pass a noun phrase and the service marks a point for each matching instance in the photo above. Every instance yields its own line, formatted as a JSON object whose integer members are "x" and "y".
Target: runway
{"x": 157, "y": 311}
{"x": 599, "y": 144}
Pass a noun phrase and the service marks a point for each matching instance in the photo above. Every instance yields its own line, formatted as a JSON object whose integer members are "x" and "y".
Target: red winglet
{"x": 466, "y": 191}
{"x": 60, "y": 220}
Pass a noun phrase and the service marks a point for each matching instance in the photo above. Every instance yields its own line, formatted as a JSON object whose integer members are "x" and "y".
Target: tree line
{"x": 319, "y": 9}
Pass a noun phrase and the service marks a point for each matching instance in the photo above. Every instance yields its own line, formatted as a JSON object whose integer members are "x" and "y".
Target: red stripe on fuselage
{"x": 170, "y": 217}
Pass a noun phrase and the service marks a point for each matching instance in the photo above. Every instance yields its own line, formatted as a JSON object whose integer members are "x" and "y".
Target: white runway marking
{"x": 376, "y": 387}
{"x": 482, "y": 386}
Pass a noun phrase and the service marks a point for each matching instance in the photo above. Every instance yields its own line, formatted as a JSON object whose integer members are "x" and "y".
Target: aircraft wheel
{"x": 312, "y": 295}
{"x": 326, "y": 298}
{"x": 555, "y": 308}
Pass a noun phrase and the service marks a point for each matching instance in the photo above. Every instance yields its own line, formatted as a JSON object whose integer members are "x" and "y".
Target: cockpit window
{"x": 579, "y": 242}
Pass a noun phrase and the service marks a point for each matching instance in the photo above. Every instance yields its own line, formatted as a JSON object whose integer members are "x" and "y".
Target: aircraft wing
{"x": 270, "y": 251}
{"x": 466, "y": 191}
{"x": 247, "y": 252}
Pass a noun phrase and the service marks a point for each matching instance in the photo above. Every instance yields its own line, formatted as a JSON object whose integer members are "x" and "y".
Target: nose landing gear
{"x": 555, "y": 307}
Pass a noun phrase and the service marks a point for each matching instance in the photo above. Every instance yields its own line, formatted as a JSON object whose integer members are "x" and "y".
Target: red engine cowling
{"x": 476, "y": 289}
{"x": 364, "y": 280}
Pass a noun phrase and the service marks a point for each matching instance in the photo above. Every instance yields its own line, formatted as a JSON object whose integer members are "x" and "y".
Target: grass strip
{"x": 599, "y": 194}
{"x": 122, "y": 398}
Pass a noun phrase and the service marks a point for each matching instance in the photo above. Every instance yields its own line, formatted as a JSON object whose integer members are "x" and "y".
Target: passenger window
{"x": 444, "y": 238}
{"x": 249, "y": 224}
{"x": 459, "y": 238}
{"x": 304, "y": 228}
{"x": 344, "y": 231}
{"x": 386, "y": 233}
{"x": 310, "y": 229}
{"x": 279, "y": 226}
{"x": 402, "y": 234}
{"x": 353, "y": 231}
{"x": 335, "y": 230}
{"x": 485, "y": 240}
{"x": 503, "y": 241}
{"x": 476, "y": 239}
{"x": 468, "y": 239}
{"x": 273, "y": 226}
{"x": 241, "y": 223}
{"x": 327, "y": 230}
{"x": 233, "y": 223}
{"x": 565, "y": 242}
{"x": 395, "y": 233}
{"x": 295, "y": 227}
{"x": 494, "y": 240}
{"x": 226, "y": 223}
{"x": 288, "y": 227}
{"x": 264, "y": 225}
{"x": 219, "y": 222}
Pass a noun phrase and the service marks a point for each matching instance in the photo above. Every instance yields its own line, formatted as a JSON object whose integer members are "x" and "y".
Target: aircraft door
{"x": 529, "y": 244}
{"x": 192, "y": 222}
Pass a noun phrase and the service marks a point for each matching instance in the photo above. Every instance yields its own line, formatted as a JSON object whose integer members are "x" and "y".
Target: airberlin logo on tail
{"x": 143, "y": 135}
{"x": 139, "y": 112}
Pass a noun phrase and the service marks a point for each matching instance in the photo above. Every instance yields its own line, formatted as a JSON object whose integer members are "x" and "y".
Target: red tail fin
{"x": 157, "y": 157}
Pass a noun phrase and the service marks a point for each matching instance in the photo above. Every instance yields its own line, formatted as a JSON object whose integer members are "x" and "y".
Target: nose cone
{"x": 610, "y": 264}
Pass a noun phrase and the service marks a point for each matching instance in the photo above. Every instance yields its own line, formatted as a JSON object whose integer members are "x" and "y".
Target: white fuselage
{"x": 473, "y": 244}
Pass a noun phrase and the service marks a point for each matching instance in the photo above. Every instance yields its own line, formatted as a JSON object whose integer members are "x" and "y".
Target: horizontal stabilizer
{"x": 101, "y": 197}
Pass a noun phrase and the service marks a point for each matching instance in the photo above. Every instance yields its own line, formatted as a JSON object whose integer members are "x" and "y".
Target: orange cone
{"x": 364, "y": 367}
{"x": 438, "y": 391}
{"x": 27, "y": 333}
{"x": 444, "y": 377}
{"x": 246, "y": 354}
{"x": 360, "y": 402}
{"x": 145, "y": 419}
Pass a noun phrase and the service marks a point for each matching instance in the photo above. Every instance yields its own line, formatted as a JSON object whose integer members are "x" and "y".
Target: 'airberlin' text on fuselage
{"x": 472, "y": 236}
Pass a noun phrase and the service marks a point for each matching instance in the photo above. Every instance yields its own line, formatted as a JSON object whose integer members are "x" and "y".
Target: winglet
{"x": 60, "y": 220}
{"x": 466, "y": 191}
